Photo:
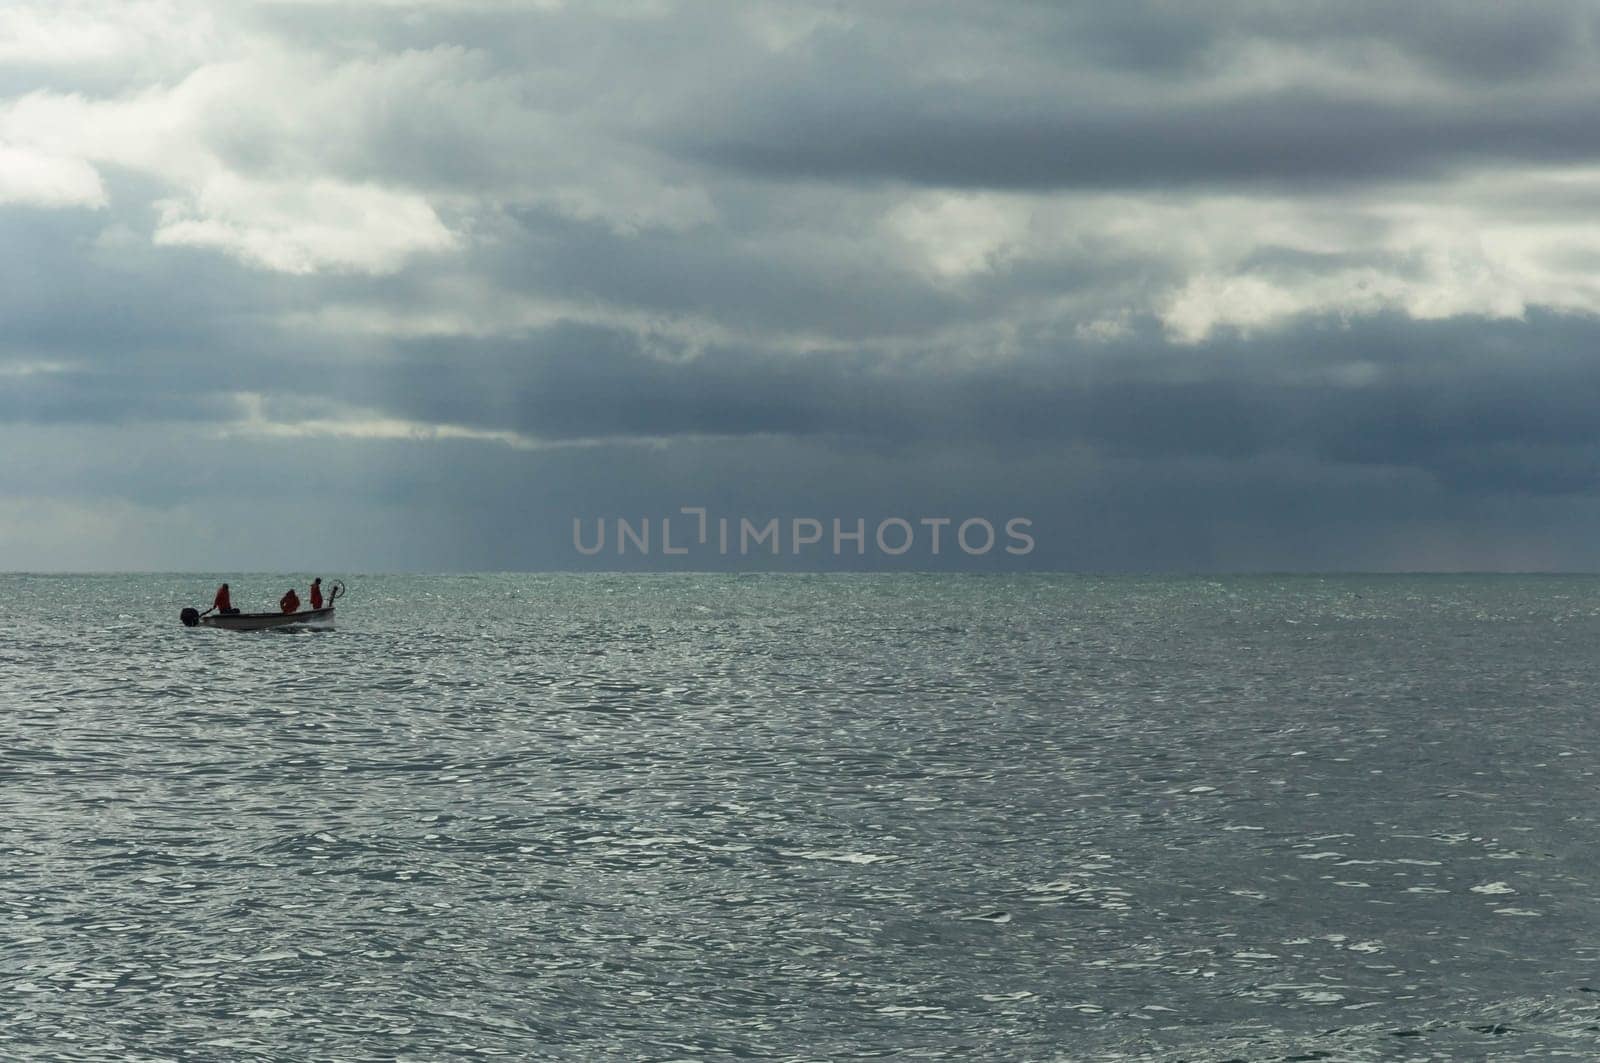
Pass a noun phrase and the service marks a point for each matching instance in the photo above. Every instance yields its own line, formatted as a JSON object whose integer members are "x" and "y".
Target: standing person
{"x": 316, "y": 593}
{"x": 290, "y": 602}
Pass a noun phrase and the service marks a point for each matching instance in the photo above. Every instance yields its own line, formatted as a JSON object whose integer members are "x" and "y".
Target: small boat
{"x": 313, "y": 618}
{"x": 262, "y": 621}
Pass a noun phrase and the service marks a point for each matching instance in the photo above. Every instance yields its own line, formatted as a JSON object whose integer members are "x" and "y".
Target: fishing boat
{"x": 311, "y": 618}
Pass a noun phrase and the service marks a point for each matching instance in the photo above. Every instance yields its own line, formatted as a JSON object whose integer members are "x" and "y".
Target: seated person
{"x": 222, "y": 603}
{"x": 290, "y": 603}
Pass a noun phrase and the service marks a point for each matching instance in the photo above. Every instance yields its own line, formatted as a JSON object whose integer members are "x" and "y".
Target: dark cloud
{"x": 764, "y": 283}
{"x": 1138, "y": 95}
{"x": 1454, "y": 399}
{"x": 1451, "y": 399}
{"x": 1470, "y": 41}
{"x": 958, "y": 139}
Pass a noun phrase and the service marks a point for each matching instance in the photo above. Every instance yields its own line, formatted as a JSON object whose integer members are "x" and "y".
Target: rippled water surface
{"x": 622, "y": 817}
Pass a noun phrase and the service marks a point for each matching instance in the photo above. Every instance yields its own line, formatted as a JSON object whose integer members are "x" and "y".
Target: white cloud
{"x": 348, "y": 159}
{"x": 781, "y": 26}
{"x": 1491, "y": 245}
{"x": 953, "y": 236}
{"x": 1247, "y": 303}
{"x": 354, "y": 423}
{"x": 17, "y": 370}
{"x": 127, "y": 37}
{"x": 38, "y": 179}
{"x": 295, "y": 223}
{"x": 305, "y": 226}
{"x": 343, "y": 421}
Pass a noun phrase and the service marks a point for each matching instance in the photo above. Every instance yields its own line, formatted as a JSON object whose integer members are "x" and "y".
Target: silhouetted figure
{"x": 290, "y": 603}
{"x": 316, "y": 593}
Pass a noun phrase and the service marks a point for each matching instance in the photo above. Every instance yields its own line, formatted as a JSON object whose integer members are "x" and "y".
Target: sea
{"x": 803, "y": 817}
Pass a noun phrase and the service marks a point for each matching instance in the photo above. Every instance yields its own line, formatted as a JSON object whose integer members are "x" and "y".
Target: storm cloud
{"x": 1247, "y": 285}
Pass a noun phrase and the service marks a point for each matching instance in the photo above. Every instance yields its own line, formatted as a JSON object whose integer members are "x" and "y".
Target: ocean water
{"x": 804, "y": 818}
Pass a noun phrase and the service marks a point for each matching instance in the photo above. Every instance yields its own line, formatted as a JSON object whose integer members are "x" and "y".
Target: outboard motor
{"x": 190, "y": 616}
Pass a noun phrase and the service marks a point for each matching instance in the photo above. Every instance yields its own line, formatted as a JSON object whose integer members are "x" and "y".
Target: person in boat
{"x": 316, "y": 593}
{"x": 290, "y": 603}
{"x": 223, "y": 603}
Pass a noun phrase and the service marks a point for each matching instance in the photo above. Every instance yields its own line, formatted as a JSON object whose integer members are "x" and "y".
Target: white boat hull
{"x": 319, "y": 618}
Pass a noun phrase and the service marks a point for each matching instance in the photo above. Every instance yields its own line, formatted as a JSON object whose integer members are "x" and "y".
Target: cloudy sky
{"x": 412, "y": 285}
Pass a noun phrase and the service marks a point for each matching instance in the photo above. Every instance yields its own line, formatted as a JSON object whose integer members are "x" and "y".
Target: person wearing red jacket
{"x": 316, "y": 593}
{"x": 222, "y": 603}
{"x": 290, "y": 603}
